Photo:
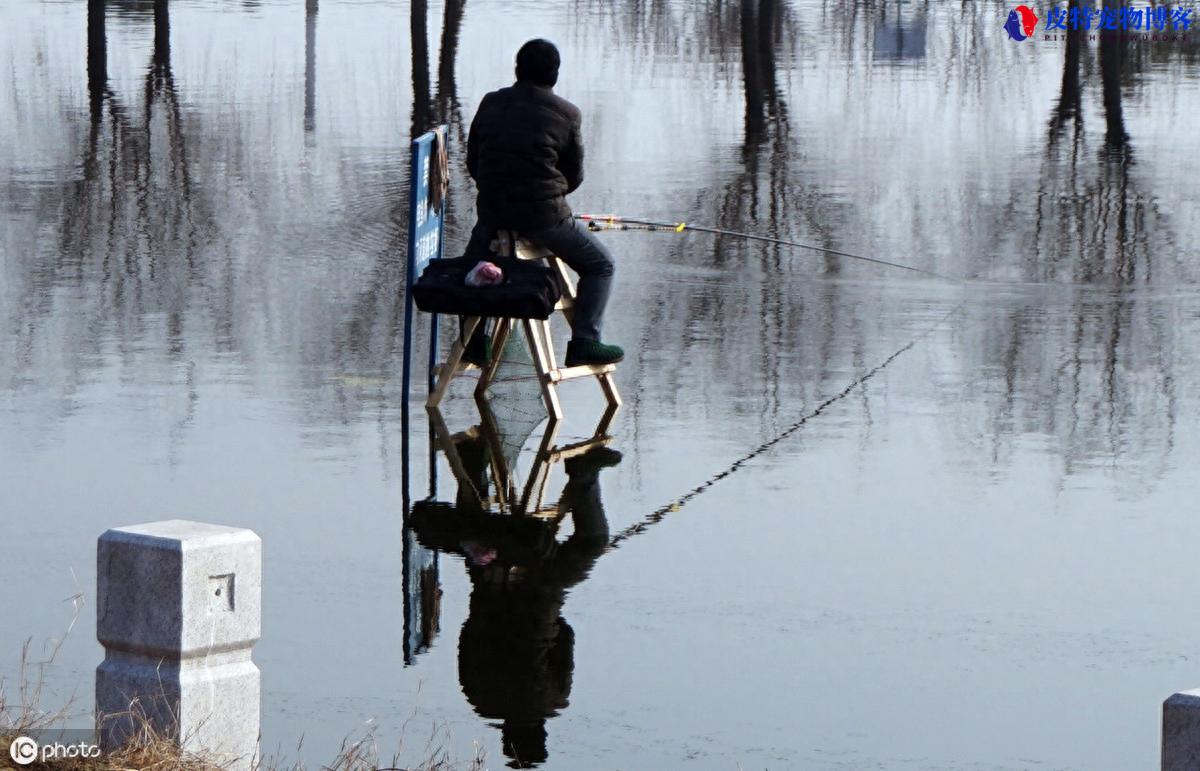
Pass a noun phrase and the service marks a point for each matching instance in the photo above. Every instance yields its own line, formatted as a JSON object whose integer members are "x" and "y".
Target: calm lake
{"x": 866, "y": 518}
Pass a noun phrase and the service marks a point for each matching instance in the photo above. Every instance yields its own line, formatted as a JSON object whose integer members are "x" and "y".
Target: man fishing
{"x": 525, "y": 153}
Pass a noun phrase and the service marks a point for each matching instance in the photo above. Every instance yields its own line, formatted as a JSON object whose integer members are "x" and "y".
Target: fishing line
{"x": 597, "y": 222}
{"x": 661, "y": 513}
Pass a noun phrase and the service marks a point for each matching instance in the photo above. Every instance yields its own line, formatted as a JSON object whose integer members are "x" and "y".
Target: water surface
{"x": 978, "y": 556}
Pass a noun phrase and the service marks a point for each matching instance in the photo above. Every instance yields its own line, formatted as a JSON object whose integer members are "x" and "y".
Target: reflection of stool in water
{"x": 516, "y": 652}
{"x": 537, "y": 335}
{"x": 486, "y": 441}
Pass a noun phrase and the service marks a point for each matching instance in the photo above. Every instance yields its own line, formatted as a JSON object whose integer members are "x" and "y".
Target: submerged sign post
{"x": 426, "y": 224}
{"x": 425, "y": 227}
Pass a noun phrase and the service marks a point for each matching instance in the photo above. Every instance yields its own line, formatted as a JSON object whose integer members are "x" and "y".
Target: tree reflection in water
{"x": 1083, "y": 220}
{"x": 169, "y": 218}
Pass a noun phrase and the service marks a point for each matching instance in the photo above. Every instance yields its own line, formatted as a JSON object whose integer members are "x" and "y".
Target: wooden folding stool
{"x": 537, "y": 335}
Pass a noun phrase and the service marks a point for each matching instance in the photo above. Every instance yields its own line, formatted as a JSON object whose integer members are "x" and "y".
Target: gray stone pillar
{"x": 1181, "y": 732}
{"x": 178, "y": 610}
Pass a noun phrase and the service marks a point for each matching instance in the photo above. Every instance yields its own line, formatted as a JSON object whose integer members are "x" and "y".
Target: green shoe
{"x": 592, "y": 352}
{"x": 479, "y": 349}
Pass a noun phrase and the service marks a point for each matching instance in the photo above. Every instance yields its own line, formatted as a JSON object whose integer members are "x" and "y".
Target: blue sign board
{"x": 425, "y": 230}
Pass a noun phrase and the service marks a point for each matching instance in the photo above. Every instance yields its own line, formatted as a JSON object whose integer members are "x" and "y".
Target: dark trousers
{"x": 582, "y": 251}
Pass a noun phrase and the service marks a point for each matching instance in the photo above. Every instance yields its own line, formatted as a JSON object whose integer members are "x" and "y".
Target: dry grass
{"x": 145, "y": 750}
{"x": 150, "y": 748}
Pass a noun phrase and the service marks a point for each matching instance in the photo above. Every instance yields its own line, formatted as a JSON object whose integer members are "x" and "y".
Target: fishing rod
{"x": 610, "y": 222}
{"x": 661, "y": 513}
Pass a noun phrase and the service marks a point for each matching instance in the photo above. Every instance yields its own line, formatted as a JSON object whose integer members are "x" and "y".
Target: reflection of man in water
{"x": 516, "y": 653}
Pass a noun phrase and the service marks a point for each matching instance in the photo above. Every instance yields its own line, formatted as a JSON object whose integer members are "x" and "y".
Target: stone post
{"x": 1181, "y": 732}
{"x": 178, "y": 610}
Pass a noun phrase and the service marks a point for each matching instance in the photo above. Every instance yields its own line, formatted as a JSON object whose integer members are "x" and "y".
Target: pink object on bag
{"x": 485, "y": 274}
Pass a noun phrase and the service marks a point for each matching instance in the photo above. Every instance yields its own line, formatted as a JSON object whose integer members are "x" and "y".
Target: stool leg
{"x": 609, "y": 386}
{"x": 502, "y": 475}
{"x": 448, "y": 370}
{"x": 606, "y": 421}
{"x": 442, "y": 436}
{"x": 566, "y": 286}
{"x": 499, "y": 340}
{"x": 539, "y": 475}
{"x": 542, "y": 365}
{"x": 548, "y": 342}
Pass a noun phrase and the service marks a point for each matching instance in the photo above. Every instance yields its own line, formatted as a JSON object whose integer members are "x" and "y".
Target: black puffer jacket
{"x": 526, "y": 154}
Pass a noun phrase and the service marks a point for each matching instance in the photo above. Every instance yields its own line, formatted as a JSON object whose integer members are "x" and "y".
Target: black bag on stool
{"x": 529, "y": 290}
